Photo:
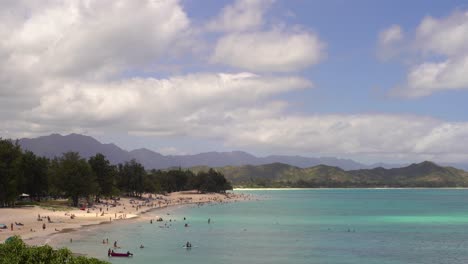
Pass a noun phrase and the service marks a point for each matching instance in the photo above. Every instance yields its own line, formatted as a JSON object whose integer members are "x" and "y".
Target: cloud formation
{"x": 389, "y": 42}
{"x": 149, "y": 104}
{"x": 442, "y": 46}
{"x": 269, "y": 51}
{"x": 242, "y": 15}
{"x": 249, "y": 43}
{"x": 70, "y": 66}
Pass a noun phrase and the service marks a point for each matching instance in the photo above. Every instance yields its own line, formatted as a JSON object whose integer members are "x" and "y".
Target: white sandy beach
{"x": 29, "y": 222}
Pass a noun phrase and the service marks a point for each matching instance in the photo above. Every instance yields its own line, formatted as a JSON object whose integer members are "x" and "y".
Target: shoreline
{"x": 126, "y": 208}
{"x": 352, "y": 188}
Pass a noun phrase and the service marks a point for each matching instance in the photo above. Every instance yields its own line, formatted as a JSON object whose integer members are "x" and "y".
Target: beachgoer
{"x": 11, "y": 226}
{"x": 209, "y": 220}
{"x": 71, "y": 240}
{"x": 103, "y": 241}
{"x": 186, "y": 225}
{"x": 115, "y": 244}
{"x": 107, "y": 241}
{"x": 141, "y": 246}
{"x": 109, "y": 252}
{"x": 43, "y": 226}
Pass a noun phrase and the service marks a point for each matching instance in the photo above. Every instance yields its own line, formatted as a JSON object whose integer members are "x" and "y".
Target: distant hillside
{"x": 425, "y": 174}
{"x": 244, "y": 169}
{"x": 56, "y": 145}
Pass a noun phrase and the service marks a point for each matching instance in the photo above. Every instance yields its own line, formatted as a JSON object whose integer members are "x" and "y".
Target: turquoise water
{"x": 300, "y": 226}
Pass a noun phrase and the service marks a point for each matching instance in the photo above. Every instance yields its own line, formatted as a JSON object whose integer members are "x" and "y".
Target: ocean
{"x": 385, "y": 226}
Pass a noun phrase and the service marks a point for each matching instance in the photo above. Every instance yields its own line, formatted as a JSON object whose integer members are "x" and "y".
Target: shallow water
{"x": 299, "y": 226}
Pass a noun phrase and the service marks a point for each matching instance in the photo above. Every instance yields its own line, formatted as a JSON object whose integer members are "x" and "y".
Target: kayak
{"x": 114, "y": 254}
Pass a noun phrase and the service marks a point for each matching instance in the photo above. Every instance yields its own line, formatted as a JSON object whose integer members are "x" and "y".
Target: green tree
{"x": 104, "y": 172}
{"x": 74, "y": 177}
{"x": 34, "y": 170}
{"x": 132, "y": 178}
{"x": 10, "y": 160}
{"x": 210, "y": 181}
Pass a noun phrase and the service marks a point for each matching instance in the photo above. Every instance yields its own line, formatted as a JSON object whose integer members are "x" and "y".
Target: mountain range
{"x": 424, "y": 174}
{"x": 55, "y": 145}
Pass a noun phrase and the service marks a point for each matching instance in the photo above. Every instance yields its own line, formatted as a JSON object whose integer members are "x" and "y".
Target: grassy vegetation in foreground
{"x": 15, "y": 251}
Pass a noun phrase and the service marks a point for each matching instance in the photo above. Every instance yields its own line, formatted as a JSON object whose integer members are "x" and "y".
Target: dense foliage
{"x": 74, "y": 177}
{"x": 276, "y": 175}
{"x": 15, "y": 251}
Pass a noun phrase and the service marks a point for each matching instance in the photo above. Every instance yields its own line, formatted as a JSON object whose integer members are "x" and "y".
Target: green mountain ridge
{"x": 424, "y": 174}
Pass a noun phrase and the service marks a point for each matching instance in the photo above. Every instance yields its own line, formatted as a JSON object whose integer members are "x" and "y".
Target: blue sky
{"x": 368, "y": 80}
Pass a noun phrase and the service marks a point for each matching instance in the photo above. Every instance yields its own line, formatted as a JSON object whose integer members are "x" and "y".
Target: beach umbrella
{"x": 9, "y": 239}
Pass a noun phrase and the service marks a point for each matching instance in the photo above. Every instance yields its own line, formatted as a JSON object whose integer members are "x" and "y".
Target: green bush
{"x": 15, "y": 251}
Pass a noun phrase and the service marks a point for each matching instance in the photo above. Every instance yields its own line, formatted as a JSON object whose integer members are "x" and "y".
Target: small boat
{"x": 115, "y": 254}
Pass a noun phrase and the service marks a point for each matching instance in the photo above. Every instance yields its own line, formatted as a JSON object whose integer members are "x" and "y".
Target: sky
{"x": 374, "y": 81}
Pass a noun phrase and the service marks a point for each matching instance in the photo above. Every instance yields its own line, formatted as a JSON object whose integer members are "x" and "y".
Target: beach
{"x": 35, "y": 224}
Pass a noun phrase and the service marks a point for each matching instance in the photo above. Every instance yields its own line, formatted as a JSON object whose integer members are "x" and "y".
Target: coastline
{"x": 352, "y": 188}
{"x": 61, "y": 224}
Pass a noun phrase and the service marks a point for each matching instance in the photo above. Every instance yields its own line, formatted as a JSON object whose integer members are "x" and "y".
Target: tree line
{"x": 75, "y": 177}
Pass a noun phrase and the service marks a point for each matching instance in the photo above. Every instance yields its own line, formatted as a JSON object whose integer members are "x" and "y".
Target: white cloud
{"x": 445, "y": 39}
{"x": 271, "y": 51}
{"x": 446, "y": 36}
{"x": 389, "y": 41}
{"x": 93, "y": 39}
{"x": 242, "y": 15}
{"x": 159, "y": 104}
{"x": 391, "y": 35}
{"x": 240, "y": 110}
{"x": 50, "y": 45}
{"x": 248, "y": 44}
{"x": 427, "y": 78}
{"x": 376, "y": 136}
